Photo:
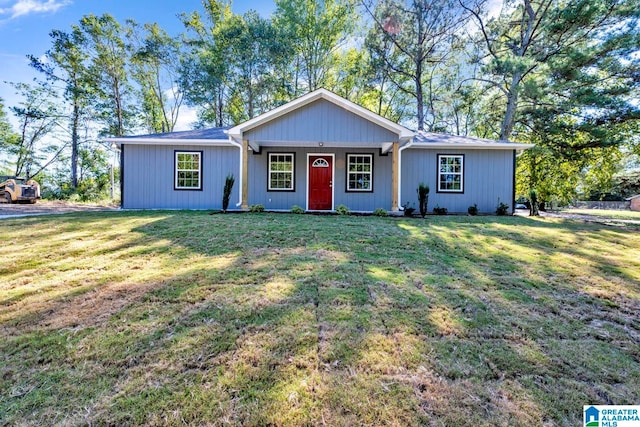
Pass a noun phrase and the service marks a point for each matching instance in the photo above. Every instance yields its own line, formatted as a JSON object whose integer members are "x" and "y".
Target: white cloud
{"x": 27, "y": 7}
{"x": 187, "y": 117}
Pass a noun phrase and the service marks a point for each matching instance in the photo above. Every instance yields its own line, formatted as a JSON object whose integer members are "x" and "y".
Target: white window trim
{"x": 360, "y": 190}
{"x": 177, "y": 170}
{"x": 461, "y": 173}
{"x": 293, "y": 172}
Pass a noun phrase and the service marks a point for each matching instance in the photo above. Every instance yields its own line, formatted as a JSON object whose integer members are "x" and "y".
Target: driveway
{"x": 46, "y": 207}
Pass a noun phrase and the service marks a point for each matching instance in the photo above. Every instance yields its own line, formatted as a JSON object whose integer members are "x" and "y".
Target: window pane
{"x": 450, "y": 172}
{"x": 359, "y": 172}
{"x": 281, "y": 171}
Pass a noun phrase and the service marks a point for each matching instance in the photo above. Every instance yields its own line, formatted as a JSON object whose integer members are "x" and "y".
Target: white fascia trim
{"x": 404, "y": 134}
{"x": 165, "y": 141}
{"x": 462, "y": 146}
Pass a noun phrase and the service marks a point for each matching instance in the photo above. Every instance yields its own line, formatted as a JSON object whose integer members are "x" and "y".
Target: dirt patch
{"x": 600, "y": 219}
{"x": 46, "y": 207}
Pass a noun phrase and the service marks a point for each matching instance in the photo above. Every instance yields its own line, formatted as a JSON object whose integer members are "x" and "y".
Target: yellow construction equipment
{"x": 16, "y": 190}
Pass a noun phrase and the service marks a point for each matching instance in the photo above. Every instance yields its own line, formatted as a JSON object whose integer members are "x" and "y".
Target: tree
{"x": 108, "y": 69}
{"x": 155, "y": 59}
{"x": 411, "y": 41}
{"x": 204, "y": 69}
{"x": 315, "y": 30}
{"x": 37, "y": 116}
{"x": 66, "y": 64}
{"x": 574, "y": 45}
{"x": 8, "y": 138}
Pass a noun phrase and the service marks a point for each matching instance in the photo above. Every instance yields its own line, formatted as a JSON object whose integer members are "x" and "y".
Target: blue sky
{"x": 25, "y": 26}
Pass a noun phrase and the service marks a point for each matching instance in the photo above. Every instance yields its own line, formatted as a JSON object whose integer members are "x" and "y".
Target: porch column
{"x": 245, "y": 175}
{"x": 395, "y": 173}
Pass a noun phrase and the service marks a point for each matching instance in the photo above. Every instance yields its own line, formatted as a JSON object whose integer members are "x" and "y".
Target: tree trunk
{"x": 512, "y": 103}
{"x": 74, "y": 146}
{"x": 419, "y": 95}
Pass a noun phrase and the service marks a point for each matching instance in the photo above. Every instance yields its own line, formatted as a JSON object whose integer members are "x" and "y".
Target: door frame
{"x": 333, "y": 178}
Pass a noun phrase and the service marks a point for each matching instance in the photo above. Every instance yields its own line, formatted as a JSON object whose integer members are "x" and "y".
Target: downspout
{"x": 234, "y": 143}
{"x": 122, "y": 176}
{"x": 513, "y": 188}
{"x": 400, "y": 150}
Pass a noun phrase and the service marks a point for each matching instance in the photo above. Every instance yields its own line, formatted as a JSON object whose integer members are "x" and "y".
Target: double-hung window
{"x": 188, "y": 170}
{"x": 359, "y": 172}
{"x": 450, "y": 173}
{"x": 281, "y": 172}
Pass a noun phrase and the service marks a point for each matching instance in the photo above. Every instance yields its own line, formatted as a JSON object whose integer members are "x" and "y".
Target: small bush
{"x": 380, "y": 212}
{"x": 473, "y": 210}
{"x": 295, "y": 209}
{"x": 342, "y": 210}
{"x": 408, "y": 209}
{"x": 502, "y": 209}
{"x": 440, "y": 211}
{"x": 226, "y": 192}
{"x": 256, "y": 208}
{"x": 423, "y": 198}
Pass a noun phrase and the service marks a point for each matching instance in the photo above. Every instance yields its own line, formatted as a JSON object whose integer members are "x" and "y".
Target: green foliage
{"x": 473, "y": 210}
{"x": 295, "y": 209}
{"x": 313, "y": 30}
{"x": 440, "y": 211}
{"x": 256, "y": 208}
{"x": 343, "y": 210}
{"x": 380, "y": 212}
{"x": 113, "y": 97}
{"x": 155, "y": 62}
{"x": 423, "y": 198}
{"x": 502, "y": 208}
{"x": 226, "y": 192}
{"x": 38, "y": 115}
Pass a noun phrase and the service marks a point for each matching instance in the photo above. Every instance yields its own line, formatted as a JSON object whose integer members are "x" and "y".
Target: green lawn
{"x": 172, "y": 318}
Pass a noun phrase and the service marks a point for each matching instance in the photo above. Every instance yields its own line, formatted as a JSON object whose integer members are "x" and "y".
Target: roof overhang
{"x": 443, "y": 141}
{"x": 237, "y": 132}
{"x": 169, "y": 141}
{"x": 452, "y": 146}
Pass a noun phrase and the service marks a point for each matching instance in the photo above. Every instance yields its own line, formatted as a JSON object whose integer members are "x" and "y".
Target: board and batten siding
{"x": 149, "y": 174}
{"x": 488, "y": 179}
{"x": 321, "y": 121}
{"x": 284, "y": 200}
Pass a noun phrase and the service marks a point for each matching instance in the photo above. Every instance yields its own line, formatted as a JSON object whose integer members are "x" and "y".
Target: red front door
{"x": 320, "y": 183}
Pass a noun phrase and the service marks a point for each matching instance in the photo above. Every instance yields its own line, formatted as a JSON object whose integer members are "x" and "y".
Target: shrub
{"x": 380, "y": 212}
{"x": 439, "y": 211}
{"x": 295, "y": 209}
{"x": 256, "y": 208}
{"x": 502, "y": 208}
{"x": 342, "y": 210}
{"x": 533, "y": 208}
{"x": 408, "y": 209}
{"x": 423, "y": 198}
{"x": 473, "y": 210}
{"x": 226, "y": 193}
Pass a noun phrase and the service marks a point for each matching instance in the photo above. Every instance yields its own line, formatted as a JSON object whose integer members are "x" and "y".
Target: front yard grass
{"x": 172, "y": 318}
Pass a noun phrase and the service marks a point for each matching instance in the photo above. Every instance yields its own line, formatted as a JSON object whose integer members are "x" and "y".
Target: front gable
{"x": 321, "y": 121}
{"x": 320, "y": 118}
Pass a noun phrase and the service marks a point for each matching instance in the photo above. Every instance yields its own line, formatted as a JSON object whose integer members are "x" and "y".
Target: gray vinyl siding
{"x": 488, "y": 177}
{"x": 321, "y": 121}
{"x": 149, "y": 177}
{"x": 284, "y": 200}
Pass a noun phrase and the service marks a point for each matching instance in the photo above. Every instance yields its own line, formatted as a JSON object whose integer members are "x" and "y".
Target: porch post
{"x": 245, "y": 175}
{"x": 395, "y": 173}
